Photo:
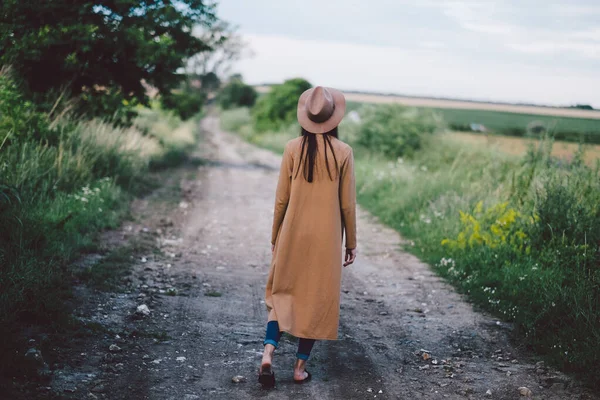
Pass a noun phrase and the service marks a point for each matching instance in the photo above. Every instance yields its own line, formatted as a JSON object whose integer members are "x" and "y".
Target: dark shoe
{"x": 305, "y": 379}
{"x": 266, "y": 377}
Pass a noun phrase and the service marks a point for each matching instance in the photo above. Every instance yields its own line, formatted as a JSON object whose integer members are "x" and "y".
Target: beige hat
{"x": 321, "y": 109}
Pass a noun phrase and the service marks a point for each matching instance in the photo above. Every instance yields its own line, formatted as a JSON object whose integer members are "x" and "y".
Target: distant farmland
{"x": 519, "y": 146}
{"x": 474, "y": 105}
{"x": 513, "y": 124}
{"x": 569, "y": 124}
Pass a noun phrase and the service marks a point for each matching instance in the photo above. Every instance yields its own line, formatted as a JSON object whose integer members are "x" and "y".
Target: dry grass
{"x": 123, "y": 140}
{"x": 518, "y": 146}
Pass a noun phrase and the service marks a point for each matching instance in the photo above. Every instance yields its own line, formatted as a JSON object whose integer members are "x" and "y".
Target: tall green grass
{"x": 58, "y": 191}
{"x": 519, "y": 235}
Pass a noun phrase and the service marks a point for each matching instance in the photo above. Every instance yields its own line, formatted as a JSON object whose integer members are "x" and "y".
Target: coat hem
{"x": 289, "y": 331}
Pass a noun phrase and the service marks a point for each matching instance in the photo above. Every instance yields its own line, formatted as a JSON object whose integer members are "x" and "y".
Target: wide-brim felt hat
{"x": 320, "y": 109}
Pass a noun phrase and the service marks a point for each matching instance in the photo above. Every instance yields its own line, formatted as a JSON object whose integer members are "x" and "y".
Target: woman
{"x": 314, "y": 203}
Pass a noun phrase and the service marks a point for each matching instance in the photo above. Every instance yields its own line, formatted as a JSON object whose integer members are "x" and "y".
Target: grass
{"x": 504, "y": 121}
{"x": 519, "y": 146}
{"x": 519, "y": 234}
{"x": 547, "y": 283}
{"x": 59, "y": 192}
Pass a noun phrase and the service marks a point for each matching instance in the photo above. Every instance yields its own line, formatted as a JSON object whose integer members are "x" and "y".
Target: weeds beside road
{"x": 62, "y": 181}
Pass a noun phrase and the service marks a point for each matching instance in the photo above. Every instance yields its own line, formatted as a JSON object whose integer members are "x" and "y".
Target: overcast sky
{"x": 544, "y": 52}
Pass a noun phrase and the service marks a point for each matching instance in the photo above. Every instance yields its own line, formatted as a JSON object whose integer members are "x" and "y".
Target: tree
{"x": 205, "y": 70}
{"x": 228, "y": 46}
{"x": 583, "y": 106}
{"x": 237, "y": 94}
{"x": 102, "y": 49}
{"x": 185, "y": 102}
{"x": 277, "y": 108}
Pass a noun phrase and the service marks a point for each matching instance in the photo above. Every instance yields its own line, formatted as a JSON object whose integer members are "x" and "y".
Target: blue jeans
{"x": 274, "y": 334}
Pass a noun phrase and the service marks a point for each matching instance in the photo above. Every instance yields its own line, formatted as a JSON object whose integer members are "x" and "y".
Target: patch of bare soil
{"x": 191, "y": 316}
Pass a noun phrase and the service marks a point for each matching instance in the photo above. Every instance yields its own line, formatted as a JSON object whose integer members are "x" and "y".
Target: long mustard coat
{"x": 303, "y": 288}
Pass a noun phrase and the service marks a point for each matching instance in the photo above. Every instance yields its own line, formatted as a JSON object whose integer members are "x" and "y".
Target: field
{"x": 519, "y": 146}
{"x": 568, "y": 124}
{"x": 473, "y": 105}
{"x": 515, "y": 124}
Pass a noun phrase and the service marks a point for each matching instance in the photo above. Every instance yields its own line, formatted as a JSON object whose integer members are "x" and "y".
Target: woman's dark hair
{"x": 309, "y": 153}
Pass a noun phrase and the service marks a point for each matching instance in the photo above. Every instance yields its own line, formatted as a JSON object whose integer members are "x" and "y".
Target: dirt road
{"x": 404, "y": 334}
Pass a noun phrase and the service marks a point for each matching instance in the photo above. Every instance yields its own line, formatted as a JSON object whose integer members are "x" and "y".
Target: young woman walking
{"x": 315, "y": 204}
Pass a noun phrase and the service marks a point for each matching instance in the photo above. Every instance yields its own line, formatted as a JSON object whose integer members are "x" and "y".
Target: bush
{"x": 520, "y": 237}
{"x": 237, "y": 94}
{"x": 19, "y": 118}
{"x": 514, "y": 131}
{"x": 394, "y": 130}
{"x": 185, "y": 103}
{"x": 56, "y": 195}
{"x": 278, "y": 108}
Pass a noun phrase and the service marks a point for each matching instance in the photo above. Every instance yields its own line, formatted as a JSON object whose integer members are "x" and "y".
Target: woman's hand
{"x": 350, "y": 257}
{"x": 272, "y": 248}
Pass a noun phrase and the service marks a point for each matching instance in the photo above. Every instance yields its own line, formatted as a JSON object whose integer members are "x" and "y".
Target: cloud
{"x": 589, "y": 50}
{"x": 491, "y": 28}
{"x": 496, "y": 21}
{"x": 590, "y": 34}
{"x": 513, "y": 50}
{"x": 418, "y": 72}
{"x": 574, "y": 10}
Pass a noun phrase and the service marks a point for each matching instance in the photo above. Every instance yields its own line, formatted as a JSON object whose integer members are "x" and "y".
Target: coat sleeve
{"x": 348, "y": 200}
{"x": 282, "y": 195}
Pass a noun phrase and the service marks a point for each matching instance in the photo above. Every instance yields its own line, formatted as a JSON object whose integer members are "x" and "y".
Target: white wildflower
{"x": 447, "y": 261}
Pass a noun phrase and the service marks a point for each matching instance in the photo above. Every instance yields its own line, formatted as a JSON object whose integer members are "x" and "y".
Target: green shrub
{"x": 19, "y": 118}
{"x": 278, "y": 108}
{"x": 237, "y": 94}
{"x": 185, "y": 103}
{"x": 56, "y": 197}
{"x": 394, "y": 130}
{"x": 520, "y": 237}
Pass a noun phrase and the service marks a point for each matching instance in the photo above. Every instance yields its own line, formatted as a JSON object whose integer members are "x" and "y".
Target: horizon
{"x": 501, "y": 52}
{"x": 392, "y": 94}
